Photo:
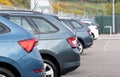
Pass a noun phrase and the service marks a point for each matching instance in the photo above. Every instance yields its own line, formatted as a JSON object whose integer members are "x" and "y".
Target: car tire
{"x": 80, "y": 47}
{"x": 93, "y": 36}
{"x": 50, "y": 69}
{"x": 5, "y": 73}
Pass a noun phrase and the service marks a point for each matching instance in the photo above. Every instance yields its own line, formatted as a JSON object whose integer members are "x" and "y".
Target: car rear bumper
{"x": 72, "y": 62}
{"x": 70, "y": 67}
{"x": 88, "y": 41}
{"x": 31, "y": 63}
{"x": 88, "y": 44}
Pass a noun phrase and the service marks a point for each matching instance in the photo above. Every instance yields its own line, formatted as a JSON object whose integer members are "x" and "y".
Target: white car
{"x": 94, "y": 27}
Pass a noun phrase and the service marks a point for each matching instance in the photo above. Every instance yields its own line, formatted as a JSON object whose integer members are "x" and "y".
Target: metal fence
{"x": 106, "y": 26}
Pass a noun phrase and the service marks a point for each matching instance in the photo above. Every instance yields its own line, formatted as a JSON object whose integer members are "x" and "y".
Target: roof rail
{"x": 19, "y": 11}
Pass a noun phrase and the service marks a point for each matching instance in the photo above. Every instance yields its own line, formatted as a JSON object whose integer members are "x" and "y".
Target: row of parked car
{"x": 40, "y": 45}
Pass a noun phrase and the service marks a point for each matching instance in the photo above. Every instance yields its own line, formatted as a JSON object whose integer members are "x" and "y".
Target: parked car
{"x": 56, "y": 41}
{"x": 83, "y": 33}
{"x": 19, "y": 57}
{"x": 94, "y": 27}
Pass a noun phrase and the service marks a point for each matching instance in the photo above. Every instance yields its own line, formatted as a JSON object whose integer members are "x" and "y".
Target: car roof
{"x": 21, "y": 12}
{"x": 18, "y": 11}
{"x": 51, "y": 18}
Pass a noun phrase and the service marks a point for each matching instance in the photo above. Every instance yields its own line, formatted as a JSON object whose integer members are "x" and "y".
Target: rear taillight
{"x": 73, "y": 41}
{"x": 89, "y": 31}
{"x": 83, "y": 23}
{"x": 28, "y": 44}
{"x": 97, "y": 27}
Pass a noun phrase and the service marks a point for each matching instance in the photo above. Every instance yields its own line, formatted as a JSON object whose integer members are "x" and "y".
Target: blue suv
{"x": 57, "y": 46}
{"x": 19, "y": 56}
{"x": 83, "y": 33}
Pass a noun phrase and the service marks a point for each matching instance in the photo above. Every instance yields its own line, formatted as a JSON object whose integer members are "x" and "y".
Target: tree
{"x": 117, "y": 6}
{"x": 21, "y": 3}
{"x": 6, "y": 2}
{"x": 108, "y": 9}
{"x": 18, "y": 3}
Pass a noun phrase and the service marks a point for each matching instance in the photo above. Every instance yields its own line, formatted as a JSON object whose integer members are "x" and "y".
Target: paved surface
{"x": 100, "y": 60}
{"x": 107, "y": 36}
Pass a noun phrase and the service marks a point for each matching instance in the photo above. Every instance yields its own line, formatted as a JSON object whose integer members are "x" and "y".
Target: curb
{"x": 108, "y": 37}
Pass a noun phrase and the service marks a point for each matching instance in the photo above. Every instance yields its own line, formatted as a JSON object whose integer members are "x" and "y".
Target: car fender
{"x": 12, "y": 63}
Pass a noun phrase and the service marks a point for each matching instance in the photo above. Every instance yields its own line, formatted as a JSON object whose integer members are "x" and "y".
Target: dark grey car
{"x": 83, "y": 33}
{"x": 57, "y": 44}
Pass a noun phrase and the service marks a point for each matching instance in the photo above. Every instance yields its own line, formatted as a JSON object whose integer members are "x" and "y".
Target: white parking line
{"x": 106, "y": 45}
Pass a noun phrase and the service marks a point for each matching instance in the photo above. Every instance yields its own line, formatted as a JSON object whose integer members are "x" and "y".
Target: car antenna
{"x": 35, "y": 5}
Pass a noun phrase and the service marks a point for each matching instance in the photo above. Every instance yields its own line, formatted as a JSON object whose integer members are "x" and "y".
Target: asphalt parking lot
{"x": 100, "y": 60}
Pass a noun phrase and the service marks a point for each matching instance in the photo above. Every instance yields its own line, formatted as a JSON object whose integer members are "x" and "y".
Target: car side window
{"x": 43, "y": 25}
{"x": 67, "y": 23}
{"x": 3, "y": 28}
{"x": 24, "y": 23}
{"x": 76, "y": 24}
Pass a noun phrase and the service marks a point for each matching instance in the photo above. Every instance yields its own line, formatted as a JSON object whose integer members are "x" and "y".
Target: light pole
{"x": 113, "y": 15}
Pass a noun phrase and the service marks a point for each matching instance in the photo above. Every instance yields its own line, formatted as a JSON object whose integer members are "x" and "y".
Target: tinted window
{"x": 3, "y": 28}
{"x": 73, "y": 24}
{"x": 76, "y": 24}
{"x": 24, "y": 23}
{"x": 67, "y": 23}
{"x": 44, "y": 26}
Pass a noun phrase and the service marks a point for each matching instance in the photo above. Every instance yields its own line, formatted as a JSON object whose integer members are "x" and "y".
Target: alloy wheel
{"x": 49, "y": 72}
{"x": 80, "y": 47}
{"x": 1, "y": 75}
